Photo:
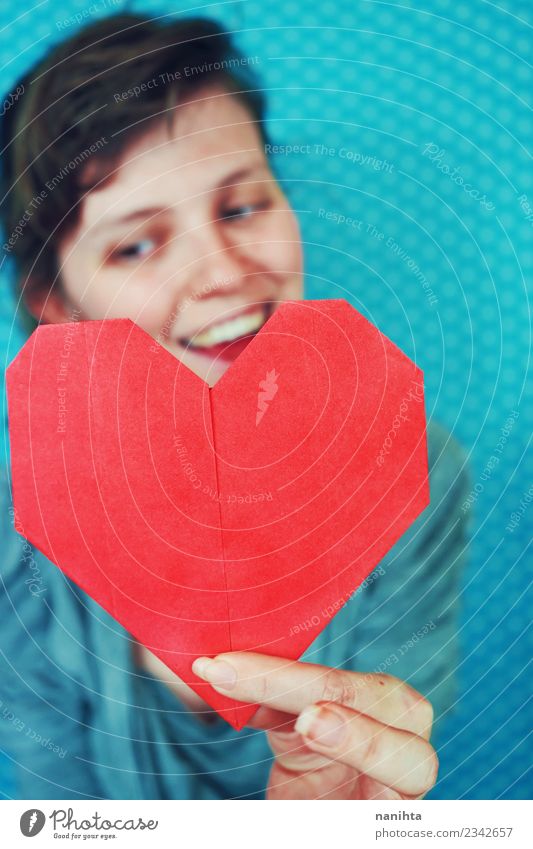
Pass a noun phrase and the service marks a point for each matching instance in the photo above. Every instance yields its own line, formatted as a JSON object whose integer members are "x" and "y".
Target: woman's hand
{"x": 335, "y": 734}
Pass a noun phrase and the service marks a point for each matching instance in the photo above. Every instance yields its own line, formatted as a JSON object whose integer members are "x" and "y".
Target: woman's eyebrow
{"x": 149, "y": 212}
{"x": 131, "y": 218}
{"x": 236, "y": 176}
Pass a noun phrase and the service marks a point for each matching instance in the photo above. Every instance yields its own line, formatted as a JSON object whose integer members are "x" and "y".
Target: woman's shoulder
{"x": 43, "y": 613}
{"x": 448, "y": 467}
{"x": 443, "y": 446}
{"x": 440, "y": 531}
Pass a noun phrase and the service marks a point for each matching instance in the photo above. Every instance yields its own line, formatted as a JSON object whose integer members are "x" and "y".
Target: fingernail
{"x": 198, "y": 665}
{"x": 216, "y": 672}
{"x": 321, "y": 725}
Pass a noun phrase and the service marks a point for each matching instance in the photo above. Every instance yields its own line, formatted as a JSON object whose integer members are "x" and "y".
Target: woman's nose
{"x": 216, "y": 260}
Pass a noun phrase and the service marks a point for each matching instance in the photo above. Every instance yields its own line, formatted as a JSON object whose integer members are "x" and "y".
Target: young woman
{"x": 137, "y": 186}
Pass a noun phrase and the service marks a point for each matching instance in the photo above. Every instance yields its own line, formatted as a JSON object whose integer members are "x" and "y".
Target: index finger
{"x": 290, "y": 686}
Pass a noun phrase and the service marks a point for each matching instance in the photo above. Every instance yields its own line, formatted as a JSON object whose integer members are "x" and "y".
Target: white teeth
{"x": 230, "y": 330}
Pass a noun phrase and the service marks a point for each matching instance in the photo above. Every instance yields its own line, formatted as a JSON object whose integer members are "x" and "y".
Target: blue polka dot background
{"x": 402, "y": 136}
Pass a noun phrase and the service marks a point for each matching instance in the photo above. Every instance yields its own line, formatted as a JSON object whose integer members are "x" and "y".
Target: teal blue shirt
{"x": 79, "y": 719}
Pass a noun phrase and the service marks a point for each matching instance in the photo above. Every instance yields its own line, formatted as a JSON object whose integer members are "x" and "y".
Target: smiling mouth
{"x": 227, "y": 338}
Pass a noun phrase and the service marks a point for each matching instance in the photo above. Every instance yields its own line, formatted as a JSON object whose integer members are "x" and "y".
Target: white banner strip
{"x": 254, "y": 825}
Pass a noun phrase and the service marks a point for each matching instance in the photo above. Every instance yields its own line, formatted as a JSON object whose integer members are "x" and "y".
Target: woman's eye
{"x": 137, "y": 250}
{"x": 244, "y": 211}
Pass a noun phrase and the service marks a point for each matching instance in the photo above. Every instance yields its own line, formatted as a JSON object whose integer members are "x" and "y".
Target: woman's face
{"x": 192, "y": 238}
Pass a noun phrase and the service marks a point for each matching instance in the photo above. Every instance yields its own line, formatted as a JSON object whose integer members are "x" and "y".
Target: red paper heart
{"x": 240, "y": 517}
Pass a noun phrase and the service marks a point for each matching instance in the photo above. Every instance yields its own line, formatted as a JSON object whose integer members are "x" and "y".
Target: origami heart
{"x": 210, "y": 520}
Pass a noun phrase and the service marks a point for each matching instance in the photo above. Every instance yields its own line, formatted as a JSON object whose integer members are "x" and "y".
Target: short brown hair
{"x": 88, "y": 99}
